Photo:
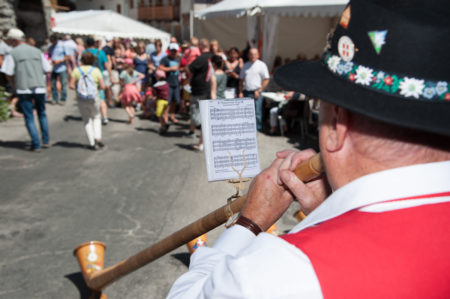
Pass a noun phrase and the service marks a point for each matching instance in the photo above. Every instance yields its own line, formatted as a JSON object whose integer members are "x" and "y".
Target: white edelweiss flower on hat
{"x": 441, "y": 87}
{"x": 333, "y": 62}
{"x": 364, "y": 75}
{"x": 410, "y": 87}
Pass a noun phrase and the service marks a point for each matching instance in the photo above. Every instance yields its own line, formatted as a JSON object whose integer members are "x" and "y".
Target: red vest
{"x": 395, "y": 254}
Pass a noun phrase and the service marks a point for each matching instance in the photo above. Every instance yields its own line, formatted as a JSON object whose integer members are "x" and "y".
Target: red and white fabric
{"x": 384, "y": 235}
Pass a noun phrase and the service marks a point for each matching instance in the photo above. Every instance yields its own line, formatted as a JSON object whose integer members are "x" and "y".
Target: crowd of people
{"x": 143, "y": 76}
{"x": 376, "y": 221}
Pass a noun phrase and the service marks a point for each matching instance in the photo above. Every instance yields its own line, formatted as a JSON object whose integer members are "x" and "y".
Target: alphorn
{"x": 90, "y": 254}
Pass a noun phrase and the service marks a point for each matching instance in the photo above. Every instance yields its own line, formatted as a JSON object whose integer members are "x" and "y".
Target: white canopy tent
{"x": 106, "y": 23}
{"x": 285, "y": 28}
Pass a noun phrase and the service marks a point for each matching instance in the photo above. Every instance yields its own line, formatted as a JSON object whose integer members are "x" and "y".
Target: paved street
{"x": 138, "y": 190}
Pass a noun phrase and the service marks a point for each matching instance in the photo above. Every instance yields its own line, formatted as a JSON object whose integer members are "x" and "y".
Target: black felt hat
{"x": 388, "y": 60}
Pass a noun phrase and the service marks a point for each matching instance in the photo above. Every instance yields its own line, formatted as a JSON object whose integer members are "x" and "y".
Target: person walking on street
{"x": 130, "y": 97}
{"x": 59, "y": 56}
{"x": 254, "y": 78}
{"x": 100, "y": 61}
{"x": 108, "y": 74}
{"x": 25, "y": 68}
{"x": 72, "y": 51}
{"x": 377, "y": 223}
{"x": 88, "y": 98}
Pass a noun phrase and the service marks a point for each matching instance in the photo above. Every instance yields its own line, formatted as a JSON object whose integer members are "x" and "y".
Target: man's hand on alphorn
{"x": 311, "y": 194}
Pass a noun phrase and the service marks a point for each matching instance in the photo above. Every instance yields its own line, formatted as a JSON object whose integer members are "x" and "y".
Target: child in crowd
{"x": 193, "y": 51}
{"x": 161, "y": 94}
{"x": 130, "y": 96}
{"x": 148, "y": 104}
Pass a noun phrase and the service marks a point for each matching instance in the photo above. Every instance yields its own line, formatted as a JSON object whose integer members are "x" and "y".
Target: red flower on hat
{"x": 447, "y": 96}
{"x": 351, "y": 77}
{"x": 388, "y": 80}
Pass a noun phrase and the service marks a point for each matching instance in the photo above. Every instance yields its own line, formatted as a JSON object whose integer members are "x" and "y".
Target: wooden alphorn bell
{"x": 90, "y": 254}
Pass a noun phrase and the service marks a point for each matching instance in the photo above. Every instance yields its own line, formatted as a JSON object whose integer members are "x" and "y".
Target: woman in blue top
{"x": 141, "y": 64}
{"x": 158, "y": 54}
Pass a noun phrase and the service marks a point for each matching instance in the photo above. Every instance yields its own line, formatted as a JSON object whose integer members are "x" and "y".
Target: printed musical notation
{"x": 234, "y": 144}
{"x": 230, "y": 113}
{"x": 232, "y": 129}
{"x": 223, "y": 162}
{"x": 229, "y": 133}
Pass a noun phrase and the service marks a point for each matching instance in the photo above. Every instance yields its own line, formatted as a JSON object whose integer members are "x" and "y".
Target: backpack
{"x": 86, "y": 87}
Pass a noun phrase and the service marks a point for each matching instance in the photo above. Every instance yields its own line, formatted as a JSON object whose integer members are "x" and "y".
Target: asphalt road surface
{"x": 137, "y": 191}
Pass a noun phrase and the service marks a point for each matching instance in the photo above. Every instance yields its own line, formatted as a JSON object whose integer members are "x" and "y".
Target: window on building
{"x": 131, "y": 4}
{"x": 119, "y": 8}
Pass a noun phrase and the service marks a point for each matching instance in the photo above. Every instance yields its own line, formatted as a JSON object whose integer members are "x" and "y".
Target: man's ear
{"x": 337, "y": 129}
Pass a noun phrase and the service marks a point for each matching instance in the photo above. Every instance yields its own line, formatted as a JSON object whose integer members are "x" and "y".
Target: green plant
{"x": 4, "y": 105}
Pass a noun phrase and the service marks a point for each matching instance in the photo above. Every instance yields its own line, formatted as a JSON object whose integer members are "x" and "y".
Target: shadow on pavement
{"x": 115, "y": 120}
{"x": 21, "y": 145}
{"x": 77, "y": 279}
{"x": 70, "y": 144}
{"x": 186, "y": 147}
{"x": 169, "y": 133}
{"x": 185, "y": 258}
{"x": 72, "y": 117}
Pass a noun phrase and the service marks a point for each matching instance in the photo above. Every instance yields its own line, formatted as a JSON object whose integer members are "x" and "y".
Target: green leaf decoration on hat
{"x": 378, "y": 39}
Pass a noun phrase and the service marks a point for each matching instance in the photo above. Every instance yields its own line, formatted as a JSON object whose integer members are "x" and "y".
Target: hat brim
{"x": 314, "y": 79}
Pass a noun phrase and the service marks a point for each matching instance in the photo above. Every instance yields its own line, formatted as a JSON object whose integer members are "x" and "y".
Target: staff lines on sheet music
{"x": 238, "y": 160}
{"x": 232, "y": 129}
{"x": 234, "y": 144}
{"x": 224, "y": 114}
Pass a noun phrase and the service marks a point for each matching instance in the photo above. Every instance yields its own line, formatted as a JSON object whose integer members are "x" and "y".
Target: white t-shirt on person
{"x": 253, "y": 74}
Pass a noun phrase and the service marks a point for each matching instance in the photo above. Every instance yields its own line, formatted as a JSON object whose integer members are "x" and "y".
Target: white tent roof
{"x": 238, "y": 8}
{"x": 105, "y": 23}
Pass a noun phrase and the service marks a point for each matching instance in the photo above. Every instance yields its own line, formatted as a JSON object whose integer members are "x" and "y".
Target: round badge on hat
{"x": 346, "y": 48}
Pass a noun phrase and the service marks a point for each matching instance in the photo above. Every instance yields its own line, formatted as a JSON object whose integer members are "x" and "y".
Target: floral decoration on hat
{"x": 393, "y": 84}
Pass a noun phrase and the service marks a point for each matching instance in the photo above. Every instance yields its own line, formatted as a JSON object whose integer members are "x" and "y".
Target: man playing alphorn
{"x": 378, "y": 220}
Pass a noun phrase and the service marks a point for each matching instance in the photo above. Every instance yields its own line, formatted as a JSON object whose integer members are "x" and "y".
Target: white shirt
{"x": 71, "y": 46}
{"x": 4, "y": 48}
{"x": 8, "y": 68}
{"x": 253, "y": 74}
{"x": 240, "y": 265}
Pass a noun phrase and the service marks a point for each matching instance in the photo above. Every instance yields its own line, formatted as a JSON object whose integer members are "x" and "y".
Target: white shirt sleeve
{"x": 45, "y": 64}
{"x": 8, "y": 65}
{"x": 243, "y": 266}
{"x": 264, "y": 71}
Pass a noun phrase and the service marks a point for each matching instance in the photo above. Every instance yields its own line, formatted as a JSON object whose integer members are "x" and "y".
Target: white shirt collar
{"x": 381, "y": 186}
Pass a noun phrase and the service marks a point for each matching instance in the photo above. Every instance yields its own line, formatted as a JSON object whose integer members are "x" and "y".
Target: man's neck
{"x": 18, "y": 43}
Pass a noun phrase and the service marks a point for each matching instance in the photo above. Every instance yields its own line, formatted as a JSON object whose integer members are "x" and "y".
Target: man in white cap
{"x": 171, "y": 65}
{"x": 25, "y": 68}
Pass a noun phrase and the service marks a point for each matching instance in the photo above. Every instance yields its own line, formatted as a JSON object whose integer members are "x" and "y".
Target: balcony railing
{"x": 159, "y": 13}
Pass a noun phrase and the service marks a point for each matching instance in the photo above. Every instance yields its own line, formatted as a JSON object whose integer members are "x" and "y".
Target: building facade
{"x": 125, "y": 7}
{"x": 172, "y": 16}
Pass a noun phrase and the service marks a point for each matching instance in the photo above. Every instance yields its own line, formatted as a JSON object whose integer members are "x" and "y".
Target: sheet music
{"x": 229, "y": 137}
